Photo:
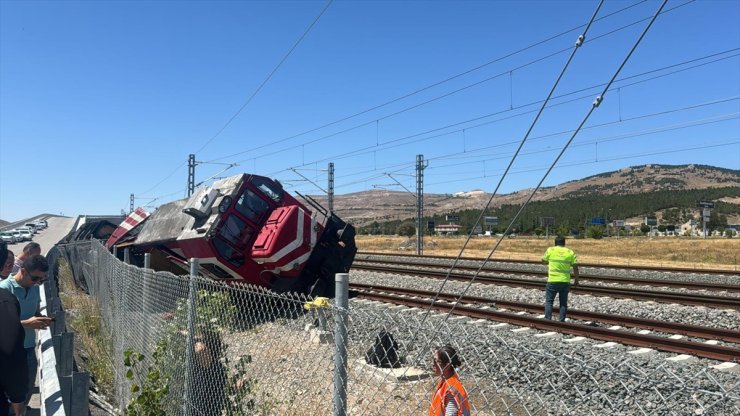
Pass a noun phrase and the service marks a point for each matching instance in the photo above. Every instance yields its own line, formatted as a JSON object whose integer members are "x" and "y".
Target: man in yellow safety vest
{"x": 559, "y": 260}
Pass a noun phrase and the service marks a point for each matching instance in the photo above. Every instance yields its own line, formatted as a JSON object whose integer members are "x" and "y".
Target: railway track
{"x": 583, "y": 276}
{"x": 362, "y": 254}
{"x": 472, "y": 307}
{"x": 611, "y": 319}
{"x": 615, "y": 292}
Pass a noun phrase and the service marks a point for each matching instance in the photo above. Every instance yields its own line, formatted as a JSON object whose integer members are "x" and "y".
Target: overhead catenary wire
{"x": 259, "y": 88}
{"x": 180, "y": 166}
{"x": 578, "y": 44}
{"x": 474, "y": 155}
{"x": 385, "y": 145}
{"x": 269, "y": 76}
{"x": 383, "y": 167}
{"x": 453, "y": 77}
{"x": 594, "y": 106}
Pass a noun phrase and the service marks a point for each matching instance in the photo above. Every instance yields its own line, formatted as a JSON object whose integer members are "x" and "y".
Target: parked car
{"x": 8, "y": 237}
{"x": 31, "y": 227}
{"x": 18, "y": 236}
{"x": 26, "y": 233}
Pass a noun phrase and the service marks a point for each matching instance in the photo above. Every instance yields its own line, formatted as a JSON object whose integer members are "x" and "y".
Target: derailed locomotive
{"x": 243, "y": 228}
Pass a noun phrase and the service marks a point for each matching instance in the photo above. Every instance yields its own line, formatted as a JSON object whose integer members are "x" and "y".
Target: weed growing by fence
{"x": 148, "y": 399}
{"x": 83, "y": 317}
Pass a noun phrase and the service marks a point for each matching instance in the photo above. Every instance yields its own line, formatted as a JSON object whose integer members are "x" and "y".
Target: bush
{"x": 595, "y": 232}
{"x": 406, "y": 229}
{"x": 214, "y": 312}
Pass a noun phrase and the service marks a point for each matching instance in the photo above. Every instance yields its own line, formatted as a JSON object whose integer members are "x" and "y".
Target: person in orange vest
{"x": 450, "y": 397}
{"x": 559, "y": 260}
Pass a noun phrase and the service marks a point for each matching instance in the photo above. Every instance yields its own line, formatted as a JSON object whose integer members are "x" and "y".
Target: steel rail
{"x": 699, "y": 349}
{"x": 648, "y": 295}
{"x": 595, "y": 265}
{"x": 727, "y": 335}
{"x": 583, "y": 276}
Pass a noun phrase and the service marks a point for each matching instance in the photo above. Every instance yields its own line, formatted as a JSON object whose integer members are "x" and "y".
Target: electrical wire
{"x": 384, "y": 145}
{"x": 594, "y": 106}
{"x": 269, "y": 76}
{"x": 461, "y": 74}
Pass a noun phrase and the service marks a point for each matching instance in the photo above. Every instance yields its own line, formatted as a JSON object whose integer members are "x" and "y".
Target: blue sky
{"x": 102, "y": 99}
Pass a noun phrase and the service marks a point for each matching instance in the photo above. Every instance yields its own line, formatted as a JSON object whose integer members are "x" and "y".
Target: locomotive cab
{"x": 245, "y": 228}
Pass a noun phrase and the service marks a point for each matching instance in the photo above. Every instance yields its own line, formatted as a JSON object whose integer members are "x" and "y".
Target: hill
{"x": 626, "y": 192}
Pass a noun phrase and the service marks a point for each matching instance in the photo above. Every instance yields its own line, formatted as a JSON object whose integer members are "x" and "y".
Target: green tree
{"x": 644, "y": 228}
{"x": 671, "y": 216}
{"x": 596, "y": 232}
{"x": 406, "y": 229}
{"x": 717, "y": 221}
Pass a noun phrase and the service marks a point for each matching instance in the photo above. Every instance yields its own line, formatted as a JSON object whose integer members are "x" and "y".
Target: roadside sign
{"x": 619, "y": 223}
{"x": 705, "y": 204}
{"x": 452, "y": 218}
{"x": 548, "y": 221}
{"x": 430, "y": 225}
{"x": 651, "y": 221}
{"x": 490, "y": 220}
{"x": 598, "y": 221}
{"x": 477, "y": 229}
{"x": 706, "y": 212}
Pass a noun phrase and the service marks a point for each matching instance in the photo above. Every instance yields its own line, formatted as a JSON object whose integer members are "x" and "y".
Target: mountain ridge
{"x": 361, "y": 208}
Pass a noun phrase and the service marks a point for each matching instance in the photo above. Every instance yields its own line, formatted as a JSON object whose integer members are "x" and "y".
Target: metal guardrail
{"x": 62, "y": 390}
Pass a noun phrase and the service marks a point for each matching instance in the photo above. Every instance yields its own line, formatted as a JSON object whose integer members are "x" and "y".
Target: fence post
{"x": 145, "y": 298}
{"x": 340, "y": 343}
{"x": 127, "y": 255}
{"x": 80, "y": 395}
{"x": 66, "y": 364}
{"x": 186, "y": 410}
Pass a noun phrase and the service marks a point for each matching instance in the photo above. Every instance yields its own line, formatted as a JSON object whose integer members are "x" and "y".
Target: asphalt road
{"x": 48, "y": 237}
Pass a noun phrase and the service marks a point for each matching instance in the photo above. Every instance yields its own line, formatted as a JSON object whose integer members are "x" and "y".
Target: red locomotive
{"x": 244, "y": 228}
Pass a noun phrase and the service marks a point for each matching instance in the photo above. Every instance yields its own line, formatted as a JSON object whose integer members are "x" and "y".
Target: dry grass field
{"x": 717, "y": 253}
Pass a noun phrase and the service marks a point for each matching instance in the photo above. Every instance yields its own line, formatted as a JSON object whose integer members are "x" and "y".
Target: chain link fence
{"x": 192, "y": 346}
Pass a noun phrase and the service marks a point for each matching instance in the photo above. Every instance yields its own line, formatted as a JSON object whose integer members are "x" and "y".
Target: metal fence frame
{"x": 289, "y": 356}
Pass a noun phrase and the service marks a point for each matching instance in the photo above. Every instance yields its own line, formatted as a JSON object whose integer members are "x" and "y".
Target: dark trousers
{"x": 561, "y": 289}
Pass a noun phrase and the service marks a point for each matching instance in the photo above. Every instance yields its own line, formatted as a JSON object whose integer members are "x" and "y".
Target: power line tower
{"x": 420, "y": 166}
{"x": 191, "y": 174}
{"x": 131, "y": 204}
{"x": 330, "y": 191}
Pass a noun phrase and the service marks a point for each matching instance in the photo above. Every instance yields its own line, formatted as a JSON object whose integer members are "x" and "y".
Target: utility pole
{"x": 420, "y": 166}
{"x": 131, "y": 204}
{"x": 191, "y": 174}
{"x": 330, "y": 192}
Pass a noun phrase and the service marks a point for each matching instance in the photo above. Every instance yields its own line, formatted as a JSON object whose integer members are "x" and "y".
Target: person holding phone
{"x": 24, "y": 285}
{"x": 13, "y": 373}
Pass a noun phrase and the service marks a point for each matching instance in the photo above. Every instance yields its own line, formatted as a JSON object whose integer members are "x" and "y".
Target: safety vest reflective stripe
{"x": 453, "y": 386}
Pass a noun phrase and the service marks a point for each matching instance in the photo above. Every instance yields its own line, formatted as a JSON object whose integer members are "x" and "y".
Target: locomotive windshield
{"x": 232, "y": 239}
{"x": 269, "y": 188}
{"x": 252, "y": 206}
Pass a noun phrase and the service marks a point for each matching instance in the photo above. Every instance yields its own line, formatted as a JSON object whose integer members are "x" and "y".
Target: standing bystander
{"x": 30, "y": 249}
{"x": 13, "y": 372}
{"x": 450, "y": 397}
{"x": 559, "y": 260}
{"x": 7, "y": 267}
{"x": 24, "y": 285}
